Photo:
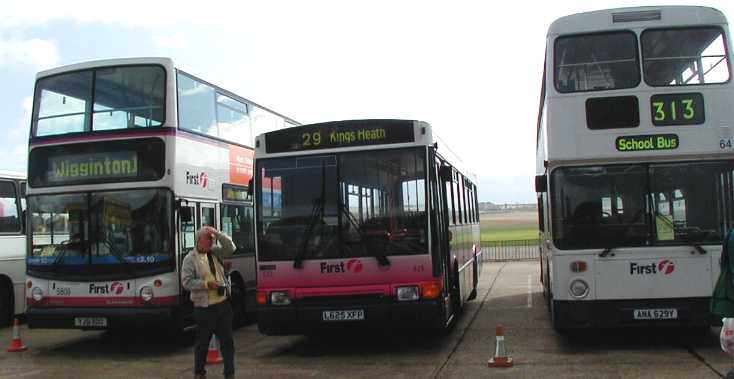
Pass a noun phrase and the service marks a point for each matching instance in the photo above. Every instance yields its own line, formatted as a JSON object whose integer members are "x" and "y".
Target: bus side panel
{"x": 12, "y": 265}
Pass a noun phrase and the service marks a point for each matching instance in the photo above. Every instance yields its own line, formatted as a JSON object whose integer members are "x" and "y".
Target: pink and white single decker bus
{"x": 364, "y": 223}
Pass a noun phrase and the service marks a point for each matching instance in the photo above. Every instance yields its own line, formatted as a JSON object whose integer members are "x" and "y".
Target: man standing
{"x": 203, "y": 275}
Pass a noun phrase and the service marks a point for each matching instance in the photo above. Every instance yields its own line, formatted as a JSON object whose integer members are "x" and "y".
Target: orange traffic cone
{"x": 16, "y": 344}
{"x": 212, "y": 356}
{"x": 500, "y": 358}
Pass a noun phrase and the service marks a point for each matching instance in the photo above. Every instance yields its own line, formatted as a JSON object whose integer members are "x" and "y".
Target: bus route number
{"x": 311, "y": 139}
{"x": 677, "y": 109}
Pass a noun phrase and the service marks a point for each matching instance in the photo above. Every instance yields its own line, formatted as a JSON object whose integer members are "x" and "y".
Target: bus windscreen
{"x": 352, "y": 204}
{"x": 642, "y": 205}
{"x": 100, "y": 232}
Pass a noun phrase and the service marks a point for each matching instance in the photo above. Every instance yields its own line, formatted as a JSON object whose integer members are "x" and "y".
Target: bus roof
{"x": 166, "y": 62}
{"x": 634, "y": 17}
{"x": 7, "y": 174}
{"x": 163, "y": 61}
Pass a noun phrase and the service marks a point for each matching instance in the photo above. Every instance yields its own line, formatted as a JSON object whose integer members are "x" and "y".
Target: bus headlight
{"x": 408, "y": 293}
{"x": 146, "y": 293}
{"x": 37, "y": 294}
{"x": 280, "y": 298}
{"x": 579, "y": 289}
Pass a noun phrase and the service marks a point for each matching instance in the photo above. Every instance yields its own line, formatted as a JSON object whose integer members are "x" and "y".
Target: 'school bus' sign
{"x": 648, "y": 142}
{"x": 342, "y": 134}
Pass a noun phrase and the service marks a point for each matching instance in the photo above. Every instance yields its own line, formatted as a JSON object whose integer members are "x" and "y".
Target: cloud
{"x": 172, "y": 41}
{"x": 39, "y": 53}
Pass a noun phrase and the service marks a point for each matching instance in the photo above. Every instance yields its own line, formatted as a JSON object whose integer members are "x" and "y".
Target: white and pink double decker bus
{"x": 128, "y": 158}
{"x": 364, "y": 222}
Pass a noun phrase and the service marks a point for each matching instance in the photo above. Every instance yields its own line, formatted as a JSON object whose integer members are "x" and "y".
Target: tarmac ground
{"x": 509, "y": 294}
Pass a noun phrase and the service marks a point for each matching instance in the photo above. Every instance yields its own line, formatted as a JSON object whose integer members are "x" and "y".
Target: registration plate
{"x": 656, "y": 314}
{"x": 348, "y": 315}
{"x": 90, "y": 322}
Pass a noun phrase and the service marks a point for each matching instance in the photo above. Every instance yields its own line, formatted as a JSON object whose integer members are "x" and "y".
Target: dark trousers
{"x": 214, "y": 319}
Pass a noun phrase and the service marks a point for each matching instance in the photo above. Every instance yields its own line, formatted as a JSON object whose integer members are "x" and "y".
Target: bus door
{"x": 187, "y": 219}
{"x": 440, "y": 231}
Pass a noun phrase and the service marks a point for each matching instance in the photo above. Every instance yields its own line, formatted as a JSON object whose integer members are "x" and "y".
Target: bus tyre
{"x": 556, "y": 319}
{"x": 456, "y": 294}
{"x": 238, "y": 303}
{"x": 6, "y": 303}
{"x": 473, "y": 294}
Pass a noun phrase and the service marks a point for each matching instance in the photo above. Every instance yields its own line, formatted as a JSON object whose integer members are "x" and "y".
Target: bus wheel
{"x": 6, "y": 303}
{"x": 238, "y": 303}
{"x": 473, "y": 294}
{"x": 555, "y": 317}
{"x": 456, "y": 293}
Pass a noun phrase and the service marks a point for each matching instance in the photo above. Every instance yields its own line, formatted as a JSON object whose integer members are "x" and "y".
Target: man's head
{"x": 205, "y": 239}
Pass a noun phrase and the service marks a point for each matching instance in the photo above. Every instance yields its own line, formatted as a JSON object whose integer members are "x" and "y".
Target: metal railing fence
{"x": 515, "y": 250}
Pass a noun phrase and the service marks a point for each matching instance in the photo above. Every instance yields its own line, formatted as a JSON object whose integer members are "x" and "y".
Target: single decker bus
{"x": 635, "y": 165}
{"x": 128, "y": 158}
{"x": 363, "y": 223}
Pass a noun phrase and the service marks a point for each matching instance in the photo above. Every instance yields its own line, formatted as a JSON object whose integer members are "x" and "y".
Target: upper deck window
{"x": 679, "y": 57}
{"x": 100, "y": 99}
{"x": 594, "y": 62}
{"x": 203, "y": 109}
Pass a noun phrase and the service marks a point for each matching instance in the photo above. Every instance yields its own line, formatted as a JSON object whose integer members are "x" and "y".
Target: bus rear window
{"x": 100, "y": 99}
{"x": 594, "y": 62}
{"x": 679, "y": 57}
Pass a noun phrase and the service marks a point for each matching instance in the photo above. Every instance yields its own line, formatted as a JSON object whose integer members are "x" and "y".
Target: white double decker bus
{"x": 128, "y": 158}
{"x": 635, "y": 167}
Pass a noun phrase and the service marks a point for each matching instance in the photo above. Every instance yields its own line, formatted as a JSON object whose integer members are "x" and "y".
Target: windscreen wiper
{"x": 115, "y": 253}
{"x": 317, "y": 214}
{"x": 63, "y": 248}
{"x": 379, "y": 255}
{"x": 605, "y": 252}
{"x": 698, "y": 247}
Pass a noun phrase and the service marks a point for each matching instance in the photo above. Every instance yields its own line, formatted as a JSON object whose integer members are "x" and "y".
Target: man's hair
{"x": 203, "y": 231}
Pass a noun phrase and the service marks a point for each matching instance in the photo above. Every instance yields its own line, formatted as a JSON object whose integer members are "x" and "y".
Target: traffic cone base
{"x": 16, "y": 345}
{"x": 212, "y": 356}
{"x": 500, "y": 362}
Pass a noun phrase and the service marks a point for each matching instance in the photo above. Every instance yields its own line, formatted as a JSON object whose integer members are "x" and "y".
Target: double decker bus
{"x": 12, "y": 245}
{"x": 128, "y": 158}
{"x": 364, "y": 223}
{"x": 635, "y": 175}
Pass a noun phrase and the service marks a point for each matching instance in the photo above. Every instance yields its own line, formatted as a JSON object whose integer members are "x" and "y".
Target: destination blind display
{"x": 339, "y": 134}
{"x": 234, "y": 193}
{"x": 97, "y": 162}
{"x": 123, "y": 164}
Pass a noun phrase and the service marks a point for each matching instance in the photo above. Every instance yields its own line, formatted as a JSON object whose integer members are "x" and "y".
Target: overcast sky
{"x": 470, "y": 68}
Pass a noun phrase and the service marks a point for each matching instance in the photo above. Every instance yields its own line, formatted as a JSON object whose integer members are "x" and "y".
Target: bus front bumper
{"x": 66, "y": 318}
{"x": 300, "y": 318}
{"x": 621, "y": 313}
